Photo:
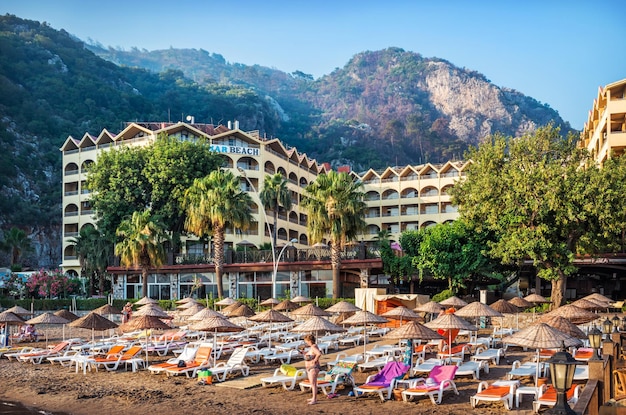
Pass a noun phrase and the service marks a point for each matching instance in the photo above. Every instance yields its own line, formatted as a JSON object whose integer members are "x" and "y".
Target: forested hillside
{"x": 389, "y": 107}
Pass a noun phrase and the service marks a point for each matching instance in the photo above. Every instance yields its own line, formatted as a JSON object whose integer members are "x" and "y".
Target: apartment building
{"x": 398, "y": 199}
{"x": 604, "y": 133}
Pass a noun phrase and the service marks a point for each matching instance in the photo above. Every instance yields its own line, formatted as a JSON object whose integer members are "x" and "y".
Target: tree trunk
{"x": 558, "y": 291}
{"x": 335, "y": 261}
{"x": 275, "y": 230}
{"x": 144, "y": 280}
{"x": 218, "y": 246}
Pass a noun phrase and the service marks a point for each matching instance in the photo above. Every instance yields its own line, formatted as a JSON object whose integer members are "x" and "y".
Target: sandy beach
{"x": 61, "y": 390}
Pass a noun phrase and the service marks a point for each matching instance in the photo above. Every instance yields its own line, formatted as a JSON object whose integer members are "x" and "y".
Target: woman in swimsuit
{"x": 312, "y": 365}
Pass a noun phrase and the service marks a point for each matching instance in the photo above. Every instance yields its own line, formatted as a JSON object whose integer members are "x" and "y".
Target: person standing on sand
{"x": 312, "y": 365}
{"x": 127, "y": 312}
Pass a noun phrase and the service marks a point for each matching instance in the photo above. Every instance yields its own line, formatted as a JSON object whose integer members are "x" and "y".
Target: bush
{"x": 445, "y": 294}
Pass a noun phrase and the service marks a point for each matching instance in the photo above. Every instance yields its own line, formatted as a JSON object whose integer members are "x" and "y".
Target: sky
{"x": 558, "y": 52}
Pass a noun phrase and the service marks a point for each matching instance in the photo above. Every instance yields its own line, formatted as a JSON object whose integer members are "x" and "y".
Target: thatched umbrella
{"x": 216, "y": 324}
{"x": 286, "y": 305}
{"x": 431, "y": 307}
{"x": 364, "y": 317}
{"x": 68, "y": 315}
{"x": 343, "y": 307}
{"x": 191, "y": 310}
{"x": 454, "y": 302}
{"x": 598, "y": 298}
{"x": 152, "y": 310}
{"x": 270, "y": 316}
{"x": 412, "y": 331}
{"x": 107, "y": 309}
{"x": 505, "y": 307}
{"x": 185, "y": 300}
{"x": 93, "y": 321}
{"x": 301, "y": 299}
{"x": 401, "y": 313}
{"x": 144, "y": 323}
{"x": 317, "y": 324}
{"x": 146, "y": 300}
{"x": 541, "y": 336}
{"x": 49, "y": 318}
{"x": 588, "y": 304}
{"x": 309, "y": 310}
{"x": 520, "y": 302}
{"x": 187, "y": 304}
{"x": 10, "y": 319}
{"x": 562, "y": 324}
{"x": 230, "y": 307}
{"x": 20, "y": 311}
{"x": 448, "y": 322}
{"x": 205, "y": 313}
{"x": 574, "y": 314}
{"x": 243, "y": 310}
{"x": 269, "y": 302}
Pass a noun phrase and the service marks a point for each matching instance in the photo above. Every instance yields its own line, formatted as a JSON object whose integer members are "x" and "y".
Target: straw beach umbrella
{"x": 309, "y": 310}
{"x": 146, "y": 300}
{"x": 343, "y": 307}
{"x": 230, "y": 307}
{"x": 48, "y": 318}
{"x": 68, "y": 315}
{"x": 401, "y": 313}
{"x": 286, "y": 305}
{"x": 205, "y": 313}
{"x": 590, "y": 305}
{"x": 226, "y": 302}
{"x": 216, "y": 324}
{"x": 317, "y": 324}
{"x": 269, "y": 302}
{"x": 270, "y": 316}
{"x": 453, "y": 301}
{"x": 505, "y": 307}
{"x": 447, "y": 323}
{"x": 93, "y": 321}
{"x": 574, "y": 314}
{"x": 144, "y": 323}
{"x": 242, "y": 311}
{"x": 10, "y": 319}
{"x": 301, "y": 299}
{"x": 541, "y": 336}
{"x": 563, "y": 324}
{"x": 412, "y": 331}
{"x": 520, "y": 302}
{"x": 191, "y": 310}
{"x": 598, "y": 298}
{"x": 20, "y": 311}
{"x": 431, "y": 307}
{"x": 152, "y": 310}
{"x": 364, "y": 317}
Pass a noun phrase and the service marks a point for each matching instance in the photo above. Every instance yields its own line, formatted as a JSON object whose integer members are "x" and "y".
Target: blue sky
{"x": 558, "y": 52}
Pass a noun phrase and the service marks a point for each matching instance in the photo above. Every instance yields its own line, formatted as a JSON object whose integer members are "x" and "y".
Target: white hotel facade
{"x": 398, "y": 199}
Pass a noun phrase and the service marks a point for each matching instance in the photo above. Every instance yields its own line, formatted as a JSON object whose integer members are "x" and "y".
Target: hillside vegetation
{"x": 388, "y": 107}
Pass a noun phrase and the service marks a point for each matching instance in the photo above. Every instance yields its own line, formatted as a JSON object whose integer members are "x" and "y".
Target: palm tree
{"x": 335, "y": 207}
{"x": 275, "y": 195}
{"x": 93, "y": 252}
{"x": 16, "y": 243}
{"x": 213, "y": 203}
{"x": 142, "y": 243}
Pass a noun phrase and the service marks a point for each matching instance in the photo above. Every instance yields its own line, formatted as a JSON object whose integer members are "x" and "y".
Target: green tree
{"x": 275, "y": 195}
{"x": 136, "y": 178}
{"x": 93, "y": 251}
{"x": 532, "y": 193}
{"x": 454, "y": 252}
{"x": 16, "y": 243}
{"x": 213, "y": 203}
{"x": 141, "y": 245}
{"x": 335, "y": 207}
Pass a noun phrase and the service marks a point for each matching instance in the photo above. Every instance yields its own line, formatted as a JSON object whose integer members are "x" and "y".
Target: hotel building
{"x": 398, "y": 199}
{"x": 604, "y": 133}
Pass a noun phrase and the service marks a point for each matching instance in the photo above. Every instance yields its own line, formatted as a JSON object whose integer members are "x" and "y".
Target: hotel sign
{"x": 235, "y": 150}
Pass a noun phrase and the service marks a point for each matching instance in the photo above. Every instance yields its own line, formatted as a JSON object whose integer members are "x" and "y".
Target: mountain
{"x": 388, "y": 107}
{"x": 382, "y": 108}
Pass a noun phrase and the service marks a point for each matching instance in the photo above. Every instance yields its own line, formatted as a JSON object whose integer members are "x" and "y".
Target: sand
{"x": 61, "y": 390}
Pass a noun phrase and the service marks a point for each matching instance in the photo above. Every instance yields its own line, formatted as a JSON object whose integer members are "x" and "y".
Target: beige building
{"x": 398, "y": 199}
{"x": 604, "y": 133}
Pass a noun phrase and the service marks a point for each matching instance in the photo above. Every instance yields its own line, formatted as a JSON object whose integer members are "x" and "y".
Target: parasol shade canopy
{"x": 286, "y": 305}
{"x": 146, "y": 300}
{"x": 271, "y": 316}
{"x": 413, "y": 330}
{"x": 574, "y": 314}
{"x": 542, "y": 336}
{"x": 48, "y": 318}
{"x": 520, "y": 302}
{"x": 431, "y": 307}
{"x": 401, "y": 313}
{"x": 343, "y": 307}
{"x": 505, "y": 307}
{"x": 310, "y": 310}
{"x": 478, "y": 309}
{"x": 453, "y": 301}
{"x": 317, "y": 324}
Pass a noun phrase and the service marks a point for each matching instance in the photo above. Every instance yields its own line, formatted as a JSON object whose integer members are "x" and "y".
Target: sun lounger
{"x": 383, "y": 382}
{"x": 498, "y": 391}
{"x": 187, "y": 356}
{"x": 202, "y": 360}
{"x": 440, "y": 379}
{"x": 472, "y": 368}
{"x": 547, "y": 396}
{"x": 425, "y": 366}
{"x": 112, "y": 362}
{"x": 377, "y": 363}
{"x": 39, "y": 356}
{"x": 235, "y": 362}
{"x": 283, "y": 357}
{"x": 343, "y": 357}
{"x": 519, "y": 369}
{"x": 490, "y": 355}
{"x": 339, "y": 374}
{"x": 285, "y": 375}
{"x": 23, "y": 350}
